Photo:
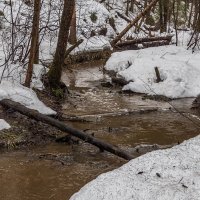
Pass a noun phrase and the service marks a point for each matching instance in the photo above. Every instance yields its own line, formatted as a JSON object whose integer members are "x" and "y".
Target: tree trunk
{"x": 36, "y": 60}
{"x": 55, "y": 71}
{"x": 72, "y": 36}
{"x": 34, "y": 41}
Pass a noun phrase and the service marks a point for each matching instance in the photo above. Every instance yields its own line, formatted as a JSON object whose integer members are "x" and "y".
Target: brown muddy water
{"x": 57, "y": 171}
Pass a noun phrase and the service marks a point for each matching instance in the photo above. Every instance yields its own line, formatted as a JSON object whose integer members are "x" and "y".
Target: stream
{"x": 132, "y": 122}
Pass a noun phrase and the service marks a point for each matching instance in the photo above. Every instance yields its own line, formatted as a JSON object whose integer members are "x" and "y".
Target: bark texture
{"x": 55, "y": 71}
{"x": 34, "y": 41}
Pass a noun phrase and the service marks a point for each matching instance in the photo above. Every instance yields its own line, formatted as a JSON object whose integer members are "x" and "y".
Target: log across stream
{"x": 63, "y": 127}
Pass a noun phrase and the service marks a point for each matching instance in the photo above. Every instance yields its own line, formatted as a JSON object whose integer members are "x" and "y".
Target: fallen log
{"x": 63, "y": 127}
{"x": 155, "y": 43}
{"x": 143, "y": 40}
{"x": 84, "y": 56}
{"x": 68, "y": 51}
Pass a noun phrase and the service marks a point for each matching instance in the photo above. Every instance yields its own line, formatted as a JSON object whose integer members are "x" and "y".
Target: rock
{"x": 196, "y": 103}
{"x": 119, "y": 81}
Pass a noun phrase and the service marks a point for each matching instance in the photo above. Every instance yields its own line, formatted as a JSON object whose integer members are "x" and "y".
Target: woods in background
{"x": 62, "y": 20}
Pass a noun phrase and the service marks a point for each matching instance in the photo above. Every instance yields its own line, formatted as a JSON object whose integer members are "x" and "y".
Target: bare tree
{"x": 34, "y": 41}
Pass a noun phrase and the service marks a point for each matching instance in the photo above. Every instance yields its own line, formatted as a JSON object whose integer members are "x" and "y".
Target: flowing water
{"x": 56, "y": 171}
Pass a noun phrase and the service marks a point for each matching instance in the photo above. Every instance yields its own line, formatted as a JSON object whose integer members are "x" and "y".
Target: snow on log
{"x": 143, "y": 40}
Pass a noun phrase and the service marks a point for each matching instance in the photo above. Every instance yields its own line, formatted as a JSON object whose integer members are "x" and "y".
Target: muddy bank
{"x": 25, "y": 132}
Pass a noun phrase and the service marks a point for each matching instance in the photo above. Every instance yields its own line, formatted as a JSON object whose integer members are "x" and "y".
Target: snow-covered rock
{"x": 179, "y": 69}
{"x": 172, "y": 174}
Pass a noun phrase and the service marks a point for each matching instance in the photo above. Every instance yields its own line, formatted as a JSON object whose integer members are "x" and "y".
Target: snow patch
{"x": 4, "y": 125}
{"x": 178, "y": 67}
{"x": 96, "y": 43}
{"x": 23, "y": 95}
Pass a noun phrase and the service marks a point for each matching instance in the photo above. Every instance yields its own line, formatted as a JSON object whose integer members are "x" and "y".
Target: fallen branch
{"x": 123, "y": 17}
{"x": 68, "y": 51}
{"x": 132, "y": 23}
{"x": 63, "y": 127}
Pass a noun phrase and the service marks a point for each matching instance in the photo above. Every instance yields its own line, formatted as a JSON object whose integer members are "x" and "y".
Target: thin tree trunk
{"x": 127, "y": 7}
{"x": 34, "y": 39}
{"x": 72, "y": 36}
{"x": 55, "y": 71}
{"x": 165, "y": 14}
{"x": 190, "y": 15}
{"x": 36, "y": 60}
{"x": 161, "y": 16}
{"x": 132, "y": 5}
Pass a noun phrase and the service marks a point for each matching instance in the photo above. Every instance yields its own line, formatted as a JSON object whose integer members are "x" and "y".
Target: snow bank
{"x": 11, "y": 88}
{"x": 16, "y": 73}
{"x": 179, "y": 70}
{"x": 23, "y": 95}
{"x": 172, "y": 174}
{"x": 96, "y": 43}
{"x": 4, "y": 125}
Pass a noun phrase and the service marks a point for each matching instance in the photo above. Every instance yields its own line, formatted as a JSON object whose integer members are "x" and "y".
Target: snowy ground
{"x": 179, "y": 70}
{"x": 23, "y": 95}
{"x": 96, "y": 43}
{"x": 11, "y": 88}
{"x": 171, "y": 174}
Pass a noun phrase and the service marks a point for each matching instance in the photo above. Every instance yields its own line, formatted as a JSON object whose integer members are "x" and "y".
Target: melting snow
{"x": 4, "y": 125}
